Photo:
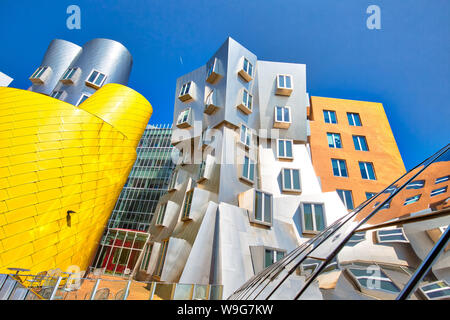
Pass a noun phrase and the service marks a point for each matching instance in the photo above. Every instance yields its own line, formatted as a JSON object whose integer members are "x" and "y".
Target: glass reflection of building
{"x": 393, "y": 246}
{"x": 126, "y": 236}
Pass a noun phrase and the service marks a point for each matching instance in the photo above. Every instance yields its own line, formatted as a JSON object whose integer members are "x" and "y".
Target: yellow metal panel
{"x": 57, "y": 157}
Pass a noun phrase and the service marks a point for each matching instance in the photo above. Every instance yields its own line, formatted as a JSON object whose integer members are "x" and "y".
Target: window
{"x": 282, "y": 117}
{"x": 346, "y": 197}
{"x": 162, "y": 257}
{"x": 372, "y": 278}
{"x": 411, "y": 200}
{"x": 284, "y": 149}
{"x": 367, "y": 171}
{"x": 184, "y": 119}
{"x": 146, "y": 258}
{"x": 246, "y": 135}
{"x": 391, "y": 235}
{"x": 201, "y": 170}
{"x": 436, "y": 290}
{"x": 263, "y": 207}
{"x": 353, "y": 119}
{"x": 438, "y": 191}
{"x": 212, "y": 74}
{"x": 70, "y": 76}
{"x": 272, "y": 256}
{"x": 186, "y": 92}
{"x": 357, "y": 238}
{"x": 442, "y": 179}
{"x": 187, "y": 205}
{"x": 248, "y": 169}
{"x": 96, "y": 79}
{"x": 173, "y": 181}
{"x": 313, "y": 217}
{"x": 284, "y": 84}
{"x": 339, "y": 168}
{"x": 370, "y": 195}
{"x": 247, "y": 102}
{"x": 418, "y": 184}
{"x": 39, "y": 71}
{"x": 334, "y": 140}
{"x": 329, "y": 116}
{"x": 360, "y": 143}
{"x": 247, "y": 70}
{"x": 161, "y": 214}
{"x": 82, "y": 99}
{"x": 291, "y": 180}
{"x": 56, "y": 94}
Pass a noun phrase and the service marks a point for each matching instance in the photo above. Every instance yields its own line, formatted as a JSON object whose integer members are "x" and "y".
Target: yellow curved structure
{"x": 57, "y": 158}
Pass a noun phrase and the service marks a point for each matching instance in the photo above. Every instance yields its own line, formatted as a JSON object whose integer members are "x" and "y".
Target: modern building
{"x": 63, "y": 158}
{"x": 244, "y": 192}
{"x": 126, "y": 236}
{"x": 72, "y": 73}
{"x": 353, "y": 148}
{"x": 5, "y": 80}
{"x": 393, "y": 246}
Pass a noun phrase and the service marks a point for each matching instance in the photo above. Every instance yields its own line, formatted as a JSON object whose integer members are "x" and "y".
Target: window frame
{"x": 263, "y": 217}
{"x": 353, "y": 119}
{"x": 55, "y": 95}
{"x": 367, "y": 171}
{"x": 412, "y": 185}
{"x": 442, "y": 179}
{"x": 93, "y": 84}
{"x": 339, "y": 168}
{"x": 248, "y": 135}
{"x": 187, "y": 205}
{"x": 345, "y": 198}
{"x": 285, "y": 156}
{"x": 161, "y": 214}
{"x": 329, "y": 112}
{"x": 395, "y": 232}
{"x": 333, "y": 137}
{"x": 161, "y": 257}
{"x": 173, "y": 181}
{"x": 251, "y": 163}
{"x": 425, "y": 293}
{"x": 186, "y": 123}
{"x": 283, "y": 121}
{"x": 358, "y": 140}
{"x": 362, "y": 288}
{"x": 80, "y": 101}
{"x": 444, "y": 190}
{"x": 409, "y": 201}
{"x": 274, "y": 255}
{"x": 291, "y": 176}
{"x": 285, "y": 76}
{"x": 313, "y": 216}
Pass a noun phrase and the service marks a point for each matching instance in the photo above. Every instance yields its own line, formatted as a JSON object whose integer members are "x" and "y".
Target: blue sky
{"x": 405, "y": 65}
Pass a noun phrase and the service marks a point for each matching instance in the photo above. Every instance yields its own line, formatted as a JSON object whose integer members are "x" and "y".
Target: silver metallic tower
{"x": 72, "y": 73}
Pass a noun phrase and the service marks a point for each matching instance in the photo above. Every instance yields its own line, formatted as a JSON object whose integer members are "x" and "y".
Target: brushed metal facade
{"x": 104, "y": 55}
{"x": 59, "y": 55}
{"x": 208, "y": 223}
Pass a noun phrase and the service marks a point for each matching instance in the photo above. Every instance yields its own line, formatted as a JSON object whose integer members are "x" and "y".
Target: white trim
{"x": 291, "y": 177}
{"x": 285, "y": 76}
{"x": 313, "y": 216}
{"x": 285, "y": 156}
{"x": 425, "y": 293}
{"x": 395, "y": 232}
{"x": 93, "y": 84}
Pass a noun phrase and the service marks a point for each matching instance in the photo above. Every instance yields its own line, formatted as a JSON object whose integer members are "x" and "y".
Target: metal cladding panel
{"x": 57, "y": 158}
{"x": 268, "y": 100}
{"x": 106, "y": 56}
{"x": 59, "y": 55}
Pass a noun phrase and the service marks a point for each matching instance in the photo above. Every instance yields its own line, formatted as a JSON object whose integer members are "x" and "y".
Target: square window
{"x": 248, "y": 170}
{"x": 329, "y": 116}
{"x": 187, "y": 205}
{"x": 353, "y": 119}
{"x": 284, "y": 149}
{"x": 367, "y": 171}
{"x": 282, "y": 117}
{"x": 186, "y": 92}
{"x": 360, "y": 143}
{"x": 246, "y": 103}
{"x": 82, "y": 98}
{"x": 339, "y": 168}
{"x": 291, "y": 180}
{"x": 346, "y": 197}
{"x": 263, "y": 208}
{"x": 184, "y": 118}
{"x": 246, "y": 72}
{"x": 284, "y": 84}
{"x": 272, "y": 256}
{"x": 212, "y": 74}
{"x": 40, "y": 75}
{"x": 245, "y": 135}
{"x": 334, "y": 140}
{"x": 313, "y": 217}
{"x": 70, "y": 76}
{"x": 391, "y": 235}
{"x": 96, "y": 79}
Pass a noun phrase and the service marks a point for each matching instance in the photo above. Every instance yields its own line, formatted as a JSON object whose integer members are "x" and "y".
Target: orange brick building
{"x": 352, "y": 147}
